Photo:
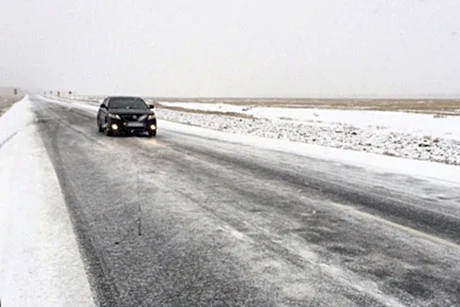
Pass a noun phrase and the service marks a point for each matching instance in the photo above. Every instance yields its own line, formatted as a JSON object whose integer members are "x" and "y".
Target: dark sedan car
{"x": 123, "y": 115}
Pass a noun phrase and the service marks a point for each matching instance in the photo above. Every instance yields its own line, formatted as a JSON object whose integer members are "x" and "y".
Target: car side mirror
{"x": 103, "y": 106}
{"x": 151, "y": 106}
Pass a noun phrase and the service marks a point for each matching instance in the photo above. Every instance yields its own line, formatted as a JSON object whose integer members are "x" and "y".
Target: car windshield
{"x": 127, "y": 103}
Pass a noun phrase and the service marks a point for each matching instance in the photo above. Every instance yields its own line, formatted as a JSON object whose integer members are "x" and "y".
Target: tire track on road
{"x": 100, "y": 278}
{"x": 395, "y": 210}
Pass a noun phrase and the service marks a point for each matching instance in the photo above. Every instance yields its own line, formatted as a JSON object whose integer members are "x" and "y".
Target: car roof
{"x": 124, "y": 97}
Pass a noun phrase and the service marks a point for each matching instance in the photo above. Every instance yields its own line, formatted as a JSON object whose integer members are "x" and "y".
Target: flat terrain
{"x": 430, "y": 106}
{"x": 192, "y": 220}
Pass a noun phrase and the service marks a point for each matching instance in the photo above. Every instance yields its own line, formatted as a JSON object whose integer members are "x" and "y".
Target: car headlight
{"x": 151, "y": 117}
{"x": 115, "y": 116}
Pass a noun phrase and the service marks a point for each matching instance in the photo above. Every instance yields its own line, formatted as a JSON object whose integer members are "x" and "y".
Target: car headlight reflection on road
{"x": 115, "y": 116}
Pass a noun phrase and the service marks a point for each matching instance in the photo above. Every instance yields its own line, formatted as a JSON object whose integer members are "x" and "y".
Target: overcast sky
{"x": 294, "y": 48}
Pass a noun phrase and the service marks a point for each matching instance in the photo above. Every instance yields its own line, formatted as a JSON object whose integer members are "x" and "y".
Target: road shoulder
{"x": 40, "y": 264}
{"x": 6, "y": 102}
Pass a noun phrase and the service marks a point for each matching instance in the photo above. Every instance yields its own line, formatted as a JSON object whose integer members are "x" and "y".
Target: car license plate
{"x": 134, "y": 125}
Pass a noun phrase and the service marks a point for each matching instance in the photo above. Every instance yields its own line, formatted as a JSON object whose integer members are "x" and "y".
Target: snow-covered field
{"x": 40, "y": 264}
{"x": 408, "y": 135}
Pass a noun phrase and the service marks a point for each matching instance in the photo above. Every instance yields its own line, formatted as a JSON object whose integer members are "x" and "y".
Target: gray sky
{"x": 302, "y": 48}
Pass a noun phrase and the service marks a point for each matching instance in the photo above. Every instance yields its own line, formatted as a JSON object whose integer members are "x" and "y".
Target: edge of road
{"x": 40, "y": 263}
{"x": 9, "y": 101}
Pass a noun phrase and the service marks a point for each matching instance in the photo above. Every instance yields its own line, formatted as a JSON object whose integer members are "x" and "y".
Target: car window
{"x": 127, "y": 103}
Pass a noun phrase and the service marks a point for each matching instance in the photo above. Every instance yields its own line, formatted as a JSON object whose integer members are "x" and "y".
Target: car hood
{"x": 130, "y": 111}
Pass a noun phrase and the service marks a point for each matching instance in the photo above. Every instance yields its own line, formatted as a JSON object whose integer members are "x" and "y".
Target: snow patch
{"x": 40, "y": 264}
{"x": 438, "y": 141}
{"x": 16, "y": 119}
{"x": 70, "y": 104}
{"x": 400, "y": 122}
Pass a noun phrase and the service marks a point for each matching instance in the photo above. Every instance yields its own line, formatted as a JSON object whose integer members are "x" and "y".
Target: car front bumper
{"x": 122, "y": 126}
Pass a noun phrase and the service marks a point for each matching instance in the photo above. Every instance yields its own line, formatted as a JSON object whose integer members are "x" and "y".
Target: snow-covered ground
{"x": 421, "y": 124}
{"x": 400, "y": 134}
{"x": 40, "y": 264}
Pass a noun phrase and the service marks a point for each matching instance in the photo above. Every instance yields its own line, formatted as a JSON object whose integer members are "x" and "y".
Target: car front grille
{"x": 134, "y": 117}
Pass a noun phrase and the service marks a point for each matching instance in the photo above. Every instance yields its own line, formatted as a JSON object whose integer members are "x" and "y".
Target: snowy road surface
{"x": 196, "y": 218}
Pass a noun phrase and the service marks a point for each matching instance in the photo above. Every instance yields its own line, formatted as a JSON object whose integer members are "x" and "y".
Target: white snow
{"x": 215, "y": 107}
{"x": 72, "y": 104}
{"x": 14, "y": 120}
{"x": 403, "y": 122}
{"x": 408, "y": 135}
{"x": 40, "y": 263}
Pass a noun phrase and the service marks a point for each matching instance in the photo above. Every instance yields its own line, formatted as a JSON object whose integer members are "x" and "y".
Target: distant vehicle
{"x": 126, "y": 115}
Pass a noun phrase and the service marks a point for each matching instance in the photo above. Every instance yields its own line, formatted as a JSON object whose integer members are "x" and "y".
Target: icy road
{"x": 192, "y": 218}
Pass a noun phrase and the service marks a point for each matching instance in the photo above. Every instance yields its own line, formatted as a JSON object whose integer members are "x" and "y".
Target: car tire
{"x": 152, "y": 133}
{"x": 99, "y": 127}
{"x": 107, "y": 131}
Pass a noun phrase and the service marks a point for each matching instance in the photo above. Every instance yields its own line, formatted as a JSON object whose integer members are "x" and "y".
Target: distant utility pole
{"x": 15, "y": 92}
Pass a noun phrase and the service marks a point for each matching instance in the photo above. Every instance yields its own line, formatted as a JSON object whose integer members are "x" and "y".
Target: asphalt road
{"x": 183, "y": 220}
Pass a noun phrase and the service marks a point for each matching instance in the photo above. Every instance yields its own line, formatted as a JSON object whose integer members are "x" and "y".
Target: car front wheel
{"x": 99, "y": 127}
{"x": 107, "y": 131}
